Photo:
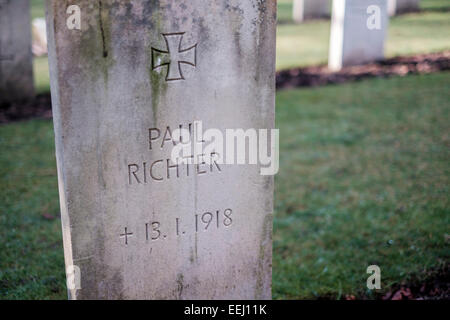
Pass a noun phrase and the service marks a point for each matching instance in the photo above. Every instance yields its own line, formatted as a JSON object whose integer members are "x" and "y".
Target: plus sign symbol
{"x": 126, "y": 234}
{"x": 175, "y": 56}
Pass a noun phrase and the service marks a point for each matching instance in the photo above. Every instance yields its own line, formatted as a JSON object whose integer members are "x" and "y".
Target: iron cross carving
{"x": 174, "y": 56}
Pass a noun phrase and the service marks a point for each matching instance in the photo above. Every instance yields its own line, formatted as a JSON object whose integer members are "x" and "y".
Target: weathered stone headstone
{"x": 135, "y": 224}
{"x": 310, "y": 9}
{"x": 16, "y": 61}
{"x": 358, "y": 32}
{"x": 402, "y": 6}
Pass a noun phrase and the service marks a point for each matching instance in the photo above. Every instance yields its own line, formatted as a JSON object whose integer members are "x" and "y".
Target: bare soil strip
{"x": 398, "y": 66}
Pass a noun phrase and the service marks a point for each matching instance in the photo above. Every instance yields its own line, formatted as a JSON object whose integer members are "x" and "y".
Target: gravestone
{"x": 358, "y": 32}
{"x": 402, "y": 6}
{"x": 310, "y": 9}
{"x": 135, "y": 225}
{"x": 16, "y": 61}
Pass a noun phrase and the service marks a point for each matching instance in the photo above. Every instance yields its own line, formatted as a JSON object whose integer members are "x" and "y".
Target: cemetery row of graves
{"x": 363, "y": 176}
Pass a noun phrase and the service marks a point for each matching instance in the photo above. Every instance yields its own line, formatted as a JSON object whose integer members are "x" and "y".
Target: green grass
{"x": 364, "y": 179}
{"x": 307, "y": 43}
{"x": 31, "y": 256}
{"x": 41, "y": 75}
{"x": 284, "y": 11}
{"x": 37, "y": 8}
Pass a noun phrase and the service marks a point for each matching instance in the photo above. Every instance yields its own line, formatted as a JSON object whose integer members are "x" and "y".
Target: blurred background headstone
{"x": 402, "y": 6}
{"x": 358, "y": 32}
{"x": 39, "y": 37}
{"x": 310, "y": 9}
{"x": 16, "y": 60}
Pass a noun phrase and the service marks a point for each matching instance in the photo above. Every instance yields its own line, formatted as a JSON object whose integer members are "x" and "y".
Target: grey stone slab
{"x": 135, "y": 225}
{"x": 16, "y": 61}
{"x": 352, "y": 41}
{"x": 402, "y": 6}
{"x": 310, "y": 9}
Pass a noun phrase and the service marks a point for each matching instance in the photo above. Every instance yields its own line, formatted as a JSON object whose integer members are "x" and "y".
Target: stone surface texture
{"x": 141, "y": 234}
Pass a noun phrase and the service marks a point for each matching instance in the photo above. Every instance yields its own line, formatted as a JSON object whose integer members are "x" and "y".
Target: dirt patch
{"x": 398, "y": 66}
{"x": 39, "y": 107}
{"x": 436, "y": 287}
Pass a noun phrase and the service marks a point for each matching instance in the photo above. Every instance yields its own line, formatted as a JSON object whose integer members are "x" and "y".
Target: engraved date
{"x": 155, "y": 231}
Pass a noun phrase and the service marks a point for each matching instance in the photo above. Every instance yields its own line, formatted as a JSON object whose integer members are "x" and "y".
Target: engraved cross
{"x": 126, "y": 235}
{"x": 174, "y": 56}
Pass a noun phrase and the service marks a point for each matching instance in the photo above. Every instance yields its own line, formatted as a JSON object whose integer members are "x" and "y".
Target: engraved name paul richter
{"x": 153, "y": 231}
{"x": 165, "y": 169}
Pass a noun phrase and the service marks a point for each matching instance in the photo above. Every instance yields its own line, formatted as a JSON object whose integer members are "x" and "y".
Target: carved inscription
{"x": 165, "y": 169}
{"x": 153, "y": 231}
{"x": 163, "y": 140}
{"x": 174, "y": 56}
{"x": 125, "y": 235}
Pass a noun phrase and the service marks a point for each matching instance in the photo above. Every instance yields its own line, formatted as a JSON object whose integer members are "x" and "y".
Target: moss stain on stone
{"x": 157, "y": 78}
{"x": 266, "y": 239}
{"x": 105, "y": 37}
{"x": 95, "y": 47}
{"x": 236, "y": 20}
{"x": 93, "y": 42}
{"x": 180, "y": 287}
{"x": 158, "y": 85}
{"x": 102, "y": 29}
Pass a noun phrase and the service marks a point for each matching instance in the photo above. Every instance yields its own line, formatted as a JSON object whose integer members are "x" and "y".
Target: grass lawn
{"x": 364, "y": 179}
{"x": 31, "y": 255}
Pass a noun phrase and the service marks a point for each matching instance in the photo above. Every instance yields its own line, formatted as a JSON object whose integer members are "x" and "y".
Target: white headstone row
{"x": 313, "y": 9}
